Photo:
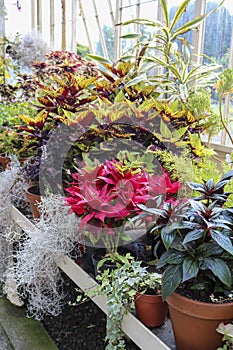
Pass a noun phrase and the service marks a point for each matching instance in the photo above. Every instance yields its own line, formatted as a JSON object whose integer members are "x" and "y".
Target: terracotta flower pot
{"x": 194, "y": 323}
{"x": 33, "y": 199}
{"x": 150, "y": 309}
{"x": 4, "y": 161}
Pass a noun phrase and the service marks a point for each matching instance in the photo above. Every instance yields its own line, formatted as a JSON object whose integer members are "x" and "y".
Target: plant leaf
{"x": 181, "y": 9}
{"x": 136, "y": 80}
{"x": 207, "y": 249}
{"x": 164, "y": 130}
{"x": 190, "y": 268}
{"x": 196, "y": 186}
{"x": 219, "y": 269}
{"x": 131, "y": 36}
{"x": 167, "y": 237}
{"x": 165, "y": 11}
{"x": 171, "y": 280}
{"x": 187, "y": 27}
{"x": 99, "y": 59}
{"x": 192, "y": 236}
{"x": 223, "y": 240}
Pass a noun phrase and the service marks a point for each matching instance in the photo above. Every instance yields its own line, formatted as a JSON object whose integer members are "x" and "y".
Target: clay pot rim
{"x": 200, "y": 309}
{"x": 206, "y": 303}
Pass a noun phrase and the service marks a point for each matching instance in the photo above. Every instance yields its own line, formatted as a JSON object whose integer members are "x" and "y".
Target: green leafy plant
{"x": 160, "y": 50}
{"x": 179, "y": 80}
{"x": 198, "y": 243}
{"x": 199, "y": 248}
{"x": 227, "y": 331}
{"x": 120, "y": 287}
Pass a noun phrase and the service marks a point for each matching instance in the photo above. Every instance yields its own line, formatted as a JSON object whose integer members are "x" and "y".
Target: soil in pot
{"x": 194, "y": 322}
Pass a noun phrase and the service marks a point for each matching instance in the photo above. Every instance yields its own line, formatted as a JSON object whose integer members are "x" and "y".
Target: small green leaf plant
{"x": 120, "y": 286}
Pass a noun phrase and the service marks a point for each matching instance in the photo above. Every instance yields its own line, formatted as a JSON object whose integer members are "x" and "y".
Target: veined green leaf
{"x": 167, "y": 237}
{"x": 207, "y": 249}
{"x": 175, "y": 257}
{"x": 219, "y": 269}
{"x": 223, "y": 240}
{"x": 192, "y": 236}
{"x": 164, "y": 130}
{"x": 163, "y": 260}
{"x": 171, "y": 280}
{"x": 190, "y": 268}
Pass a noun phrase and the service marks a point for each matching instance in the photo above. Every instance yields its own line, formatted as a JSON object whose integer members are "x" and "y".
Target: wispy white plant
{"x": 39, "y": 279}
{"x": 12, "y": 186}
{"x": 29, "y": 48}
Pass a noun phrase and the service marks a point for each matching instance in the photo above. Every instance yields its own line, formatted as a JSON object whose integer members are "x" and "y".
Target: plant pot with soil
{"x": 201, "y": 318}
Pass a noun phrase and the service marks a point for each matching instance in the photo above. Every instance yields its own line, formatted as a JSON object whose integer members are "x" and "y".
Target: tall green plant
{"x": 178, "y": 74}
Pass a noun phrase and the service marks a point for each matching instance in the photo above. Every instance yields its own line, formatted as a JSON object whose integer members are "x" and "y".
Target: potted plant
{"x": 198, "y": 265}
{"x": 123, "y": 288}
{"x": 106, "y": 196}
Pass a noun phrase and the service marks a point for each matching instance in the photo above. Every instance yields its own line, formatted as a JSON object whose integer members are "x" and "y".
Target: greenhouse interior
{"x": 116, "y": 174}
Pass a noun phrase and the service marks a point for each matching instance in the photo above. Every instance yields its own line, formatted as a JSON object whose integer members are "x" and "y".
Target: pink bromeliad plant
{"x": 107, "y": 196}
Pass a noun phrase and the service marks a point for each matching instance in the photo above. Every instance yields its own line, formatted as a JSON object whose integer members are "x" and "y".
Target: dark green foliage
{"x": 199, "y": 246}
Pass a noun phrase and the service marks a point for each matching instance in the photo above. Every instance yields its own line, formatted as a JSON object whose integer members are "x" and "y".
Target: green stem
{"x": 118, "y": 236}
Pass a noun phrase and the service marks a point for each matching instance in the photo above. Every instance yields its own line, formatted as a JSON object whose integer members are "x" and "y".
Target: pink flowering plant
{"x": 108, "y": 195}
